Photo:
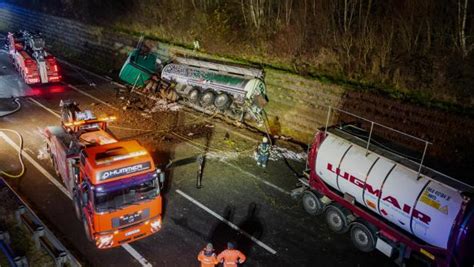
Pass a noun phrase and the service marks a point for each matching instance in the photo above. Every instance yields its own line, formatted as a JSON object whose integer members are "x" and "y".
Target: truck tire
{"x": 193, "y": 96}
{"x": 207, "y": 99}
{"x": 312, "y": 204}
{"x": 87, "y": 231}
{"x": 362, "y": 237}
{"x": 336, "y": 219}
{"x": 222, "y": 101}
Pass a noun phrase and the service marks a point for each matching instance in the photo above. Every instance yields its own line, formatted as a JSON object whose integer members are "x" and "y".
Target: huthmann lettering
{"x": 376, "y": 192}
{"x": 124, "y": 171}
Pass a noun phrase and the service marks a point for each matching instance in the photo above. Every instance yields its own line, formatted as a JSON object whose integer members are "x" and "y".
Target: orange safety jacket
{"x": 231, "y": 257}
{"x": 207, "y": 260}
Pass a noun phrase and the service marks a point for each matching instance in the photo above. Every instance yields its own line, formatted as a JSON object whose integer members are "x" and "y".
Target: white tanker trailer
{"x": 232, "y": 89}
{"x": 387, "y": 201}
{"x": 213, "y": 87}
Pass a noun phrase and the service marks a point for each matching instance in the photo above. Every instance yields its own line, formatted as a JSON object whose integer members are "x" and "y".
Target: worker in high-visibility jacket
{"x": 231, "y": 256}
{"x": 207, "y": 257}
{"x": 263, "y": 152}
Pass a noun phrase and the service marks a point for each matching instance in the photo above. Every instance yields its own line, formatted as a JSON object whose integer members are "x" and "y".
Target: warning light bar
{"x": 81, "y": 122}
{"x": 121, "y": 157}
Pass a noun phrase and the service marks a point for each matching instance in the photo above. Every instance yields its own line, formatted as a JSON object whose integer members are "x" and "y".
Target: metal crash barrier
{"x": 42, "y": 237}
{"x": 12, "y": 258}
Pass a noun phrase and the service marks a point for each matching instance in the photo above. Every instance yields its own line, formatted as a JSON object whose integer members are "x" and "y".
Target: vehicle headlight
{"x": 155, "y": 225}
{"x": 105, "y": 241}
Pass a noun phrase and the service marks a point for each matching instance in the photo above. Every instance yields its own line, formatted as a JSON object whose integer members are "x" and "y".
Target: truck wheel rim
{"x": 221, "y": 101}
{"x": 335, "y": 220}
{"x": 310, "y": 203}
{"x": 361, "y": 237}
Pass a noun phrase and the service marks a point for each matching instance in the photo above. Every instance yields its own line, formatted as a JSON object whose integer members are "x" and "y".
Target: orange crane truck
{"x": 114, "y": 185}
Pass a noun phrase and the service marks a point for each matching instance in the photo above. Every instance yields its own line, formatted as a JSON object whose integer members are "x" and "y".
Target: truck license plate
{"x": 132, "y": 232}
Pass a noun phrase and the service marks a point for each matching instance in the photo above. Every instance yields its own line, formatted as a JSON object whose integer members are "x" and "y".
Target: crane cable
{"x": 20, "y": 138}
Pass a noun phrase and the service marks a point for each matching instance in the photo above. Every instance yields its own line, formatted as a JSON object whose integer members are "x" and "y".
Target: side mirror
{"x": 162, "y": 177}
{"x": 84, "y": 198}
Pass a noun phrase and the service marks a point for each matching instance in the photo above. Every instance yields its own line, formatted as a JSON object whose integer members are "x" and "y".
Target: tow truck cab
{"x": 114, "y": 185}
{"x": 119, "y": 193}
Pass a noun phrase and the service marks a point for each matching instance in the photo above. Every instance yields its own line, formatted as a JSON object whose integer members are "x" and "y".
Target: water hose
{"x": 9, "y": 112}
{"x": 20, "y": 138}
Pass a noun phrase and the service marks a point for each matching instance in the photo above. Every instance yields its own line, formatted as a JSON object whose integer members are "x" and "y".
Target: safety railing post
{"x": 370, "y": 136}
{"x": 422, "y": 159}
{"x": 327, "y": 121}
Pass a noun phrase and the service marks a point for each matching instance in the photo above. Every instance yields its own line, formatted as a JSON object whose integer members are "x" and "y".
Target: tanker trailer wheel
{"x": 207, "y": 99}
{"x": 193, "y": 96}
{"x": 336, "y": 219}
{"x": 87, "y": 231}
{"x": 311, "y": 203}
{"x": 222, "y": 101}
{"x": 362, "y": 237}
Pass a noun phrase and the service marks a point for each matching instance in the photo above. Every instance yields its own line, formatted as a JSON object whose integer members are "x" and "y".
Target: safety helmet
{"x": 209, "y": 247}
{"x": 265, "y": 140}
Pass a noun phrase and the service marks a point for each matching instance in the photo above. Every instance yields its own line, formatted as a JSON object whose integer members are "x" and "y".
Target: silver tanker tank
{"x": 217, "y": 87}
{"x": 420, "y": 205}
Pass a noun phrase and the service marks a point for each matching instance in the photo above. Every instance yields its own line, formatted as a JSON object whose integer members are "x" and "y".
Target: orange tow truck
{"x": 115, "y": 185}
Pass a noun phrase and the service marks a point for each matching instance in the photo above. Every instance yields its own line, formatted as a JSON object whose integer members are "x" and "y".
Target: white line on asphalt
{"x": 36, "y": 164}
{"x": 74, "y": 66}
{"x": 256, "y": 177}
{"x": 43, "y": 106}
{"x": 230, "y": 224}
{"x": 243, "y": 171}
{"x": 91, "y": 96}
{"x": 136, "y": 255}
{"x": 50, "y": 177}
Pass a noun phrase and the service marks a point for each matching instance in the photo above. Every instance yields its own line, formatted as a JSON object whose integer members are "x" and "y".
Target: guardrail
{"x": 42, "y": 237}
{"x": 12, "y": 258}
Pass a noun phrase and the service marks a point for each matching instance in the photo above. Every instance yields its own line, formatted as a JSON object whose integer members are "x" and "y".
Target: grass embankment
{"x": 413, "y": 96}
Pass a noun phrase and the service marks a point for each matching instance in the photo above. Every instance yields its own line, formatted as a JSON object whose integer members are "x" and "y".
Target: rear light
{"x": 55, "y": 68}
{"x": 32, "y": 80}
{"x": 54, "y": 78}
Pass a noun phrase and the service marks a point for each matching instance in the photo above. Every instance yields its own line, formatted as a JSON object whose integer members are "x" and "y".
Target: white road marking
{"x": 136, "y": 255}
{"x": 244, "y": 171}
{"x": 53, "y": 180}
{"x": 256, "y": 177}
{"x": 44, "y": 107}
{"x": 91, "y": 96}
{"x": 230, "y": 224}
{"x": 36, "y": 164}
{"x": 82, "y": 69}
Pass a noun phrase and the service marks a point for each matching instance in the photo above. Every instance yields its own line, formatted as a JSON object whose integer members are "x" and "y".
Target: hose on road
{"x": 20, "y": 138}
{"x": 9, "y": 112}
{"x": 20, "y": 151}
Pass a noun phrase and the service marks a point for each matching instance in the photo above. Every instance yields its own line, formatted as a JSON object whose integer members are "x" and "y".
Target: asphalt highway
{"x": 238, "y": 200}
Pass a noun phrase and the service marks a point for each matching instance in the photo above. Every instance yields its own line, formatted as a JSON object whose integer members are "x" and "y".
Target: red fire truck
{"x": 386, "y": 200}
{"x": 33, "y": 62}
{"x": 114, "y": 185}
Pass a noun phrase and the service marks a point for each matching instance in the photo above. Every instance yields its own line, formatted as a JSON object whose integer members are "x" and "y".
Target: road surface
{"x": 277, "y": 233}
